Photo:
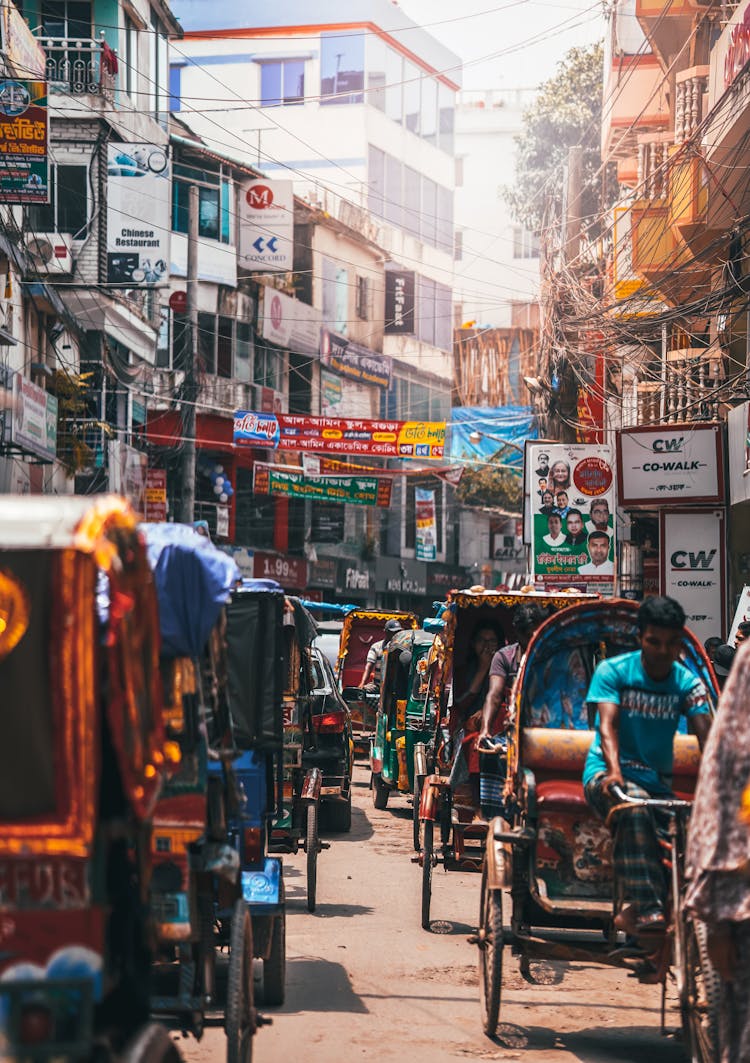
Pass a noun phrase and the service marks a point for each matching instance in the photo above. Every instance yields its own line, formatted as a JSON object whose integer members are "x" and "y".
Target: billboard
{"x": 426, "y": 525}
{"x": 571, "y": 491}
{"x": 266, "y": 226}
{"x": 693, "y": 567}
{"x": 293, "y": 483}
{"x": 399, "y": 302}
{"x": 668, "y": 464}
{"x": 138, "y": 213}
{"x": 352, "y": 360}
{"x": 332, "y": 435}
{"x": 34, "y": 419}
{"x": 24, "y": 135}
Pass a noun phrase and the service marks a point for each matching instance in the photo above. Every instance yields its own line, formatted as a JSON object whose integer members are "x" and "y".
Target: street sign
{"x": 267, "y": 226}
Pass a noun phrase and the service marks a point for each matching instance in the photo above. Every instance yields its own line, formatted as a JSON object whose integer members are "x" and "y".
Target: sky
{"x": 516, "y": 44}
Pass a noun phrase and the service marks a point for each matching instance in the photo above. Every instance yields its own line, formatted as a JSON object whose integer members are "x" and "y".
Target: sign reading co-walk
{"x": 669, "y": 464}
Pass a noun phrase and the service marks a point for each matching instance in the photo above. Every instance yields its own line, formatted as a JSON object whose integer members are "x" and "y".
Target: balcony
{"x": 668, "y": 26}
{"x": 691, "y": 102}
{"x": 689, "y": 392}
{"x": 635, "y": 101}
{"x": 663, "y": 258}
{"x": 78, "y": 67}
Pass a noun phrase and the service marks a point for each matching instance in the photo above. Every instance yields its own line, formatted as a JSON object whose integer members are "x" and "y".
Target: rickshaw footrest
{"x": 524, "y": 837}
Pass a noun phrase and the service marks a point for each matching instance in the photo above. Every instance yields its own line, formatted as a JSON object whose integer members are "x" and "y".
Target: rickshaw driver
{"x": 491, "y": 719}
{"x": 639, "y": 698}
{"x": 372, "y": 675}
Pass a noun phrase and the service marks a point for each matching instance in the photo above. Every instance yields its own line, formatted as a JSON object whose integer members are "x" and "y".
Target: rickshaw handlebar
{"x": 668, "y": 804}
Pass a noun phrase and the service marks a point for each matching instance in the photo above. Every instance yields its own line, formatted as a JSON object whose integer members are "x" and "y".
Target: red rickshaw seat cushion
{"x": 563, "y": 795}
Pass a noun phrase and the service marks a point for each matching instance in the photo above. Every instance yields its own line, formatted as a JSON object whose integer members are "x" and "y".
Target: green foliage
{"x": 566, "y": 112}
{"x": 492, "y": 484}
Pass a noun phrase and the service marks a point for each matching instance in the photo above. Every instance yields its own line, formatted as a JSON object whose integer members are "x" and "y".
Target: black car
{"x": 333, "y": 747}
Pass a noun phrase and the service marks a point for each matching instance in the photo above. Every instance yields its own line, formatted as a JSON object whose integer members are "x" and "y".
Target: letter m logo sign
{"x": 259, "y": 197}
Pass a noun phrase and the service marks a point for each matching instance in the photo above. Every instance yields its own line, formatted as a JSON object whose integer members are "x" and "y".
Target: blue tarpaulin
{"x": 492, "y": 426}
{"x": 193, "y": 580}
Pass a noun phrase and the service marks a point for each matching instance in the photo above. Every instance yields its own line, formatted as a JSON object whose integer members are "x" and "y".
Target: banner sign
{"x": 138, "y": 209}
{"x": 156, "y": 495}
{"x": 399, "y": 302}
{"x": 266, "y": 224}
{"x": 352, "y": 360}
{"x": 127, "y": 473}
{"x": 356, "y": 490}
{"x": 491, "y": 433}
{"x": 426, "y": 521}
{"x": 668, "y": 464}
{"x": 290, "y": 572}
{"x": 572, "y": 500}
{"x": 385, "y": 439}
{"x": 24, "y": 135}
{"x": 287, "y": 322}
{"x": 20, "y": 47}
{"x": 315, "y": 465}
{"x": 693, "y": 567}
{"x": 34, "y": 420}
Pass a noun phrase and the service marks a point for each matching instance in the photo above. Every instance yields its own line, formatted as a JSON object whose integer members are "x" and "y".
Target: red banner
{"x": 338, "y": 435}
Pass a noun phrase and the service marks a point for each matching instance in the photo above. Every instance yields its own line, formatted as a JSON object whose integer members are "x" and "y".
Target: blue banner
{"x": 491, "y": 433}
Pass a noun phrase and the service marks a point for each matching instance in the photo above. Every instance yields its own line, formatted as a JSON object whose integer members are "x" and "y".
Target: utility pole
{"x": 574, "y": 211}
{"x": 190, "y": 393}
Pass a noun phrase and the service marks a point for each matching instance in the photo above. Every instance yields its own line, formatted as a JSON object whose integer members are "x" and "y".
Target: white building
{"x": 356, "y": 103}
{"x": 497, "y": 260}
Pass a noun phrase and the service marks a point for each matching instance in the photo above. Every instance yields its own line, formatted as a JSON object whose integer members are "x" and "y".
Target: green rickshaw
{"x": 405, "y": 718}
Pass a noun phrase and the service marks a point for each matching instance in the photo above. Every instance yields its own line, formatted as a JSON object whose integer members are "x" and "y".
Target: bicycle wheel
{"x": 427, "y": 872}
{"x": 239, "y": 1018}
{"x": 490, "y": 955}
{"x": 311, "y": 848}
{"x": 702, "y": 995}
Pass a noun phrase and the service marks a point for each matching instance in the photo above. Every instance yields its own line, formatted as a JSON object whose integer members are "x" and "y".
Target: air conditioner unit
{"x": 50, "y": 252}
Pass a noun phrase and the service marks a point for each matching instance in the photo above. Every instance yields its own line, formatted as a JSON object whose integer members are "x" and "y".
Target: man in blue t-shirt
{"x": 639, "y": 698}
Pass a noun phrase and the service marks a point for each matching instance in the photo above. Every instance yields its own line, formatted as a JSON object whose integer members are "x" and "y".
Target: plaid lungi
{"x": 493, "y": 768}
{"x": 636, "y": 850}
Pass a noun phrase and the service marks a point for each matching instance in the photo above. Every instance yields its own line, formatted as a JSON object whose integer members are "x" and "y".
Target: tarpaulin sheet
{"x": 496, "y": 426}
{"x": 193, "y": 580}
{"x": 255, "y": 656}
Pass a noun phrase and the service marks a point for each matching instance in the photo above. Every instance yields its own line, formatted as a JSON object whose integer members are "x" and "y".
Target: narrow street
{"x": 364, "y": 981}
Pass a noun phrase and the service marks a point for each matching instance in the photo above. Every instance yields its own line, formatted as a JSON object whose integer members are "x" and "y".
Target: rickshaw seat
{"x": 563, "y": 795}
{"x": 553, "y": 751}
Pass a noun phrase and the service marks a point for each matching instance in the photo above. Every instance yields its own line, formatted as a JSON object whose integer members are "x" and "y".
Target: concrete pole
{"x": 574, "y": 212}
{"x": 187, "y": 494}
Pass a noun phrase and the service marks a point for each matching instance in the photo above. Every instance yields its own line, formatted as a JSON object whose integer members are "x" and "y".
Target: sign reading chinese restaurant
{"x": 667, "y": 464}
{"x": 693, "y": 567}
{"x": 24, "y": 134}
{"x": 385, "y": 439}
{"x": 356, "y": 490}
{"x": 352, "y": 360}
{"x": 571, "y": 494}
{"x": 138, "y": 202}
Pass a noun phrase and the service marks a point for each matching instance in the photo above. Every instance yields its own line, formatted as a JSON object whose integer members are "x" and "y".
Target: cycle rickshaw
{"x": 552, "y": 852}
{"x": 453, "y": 833}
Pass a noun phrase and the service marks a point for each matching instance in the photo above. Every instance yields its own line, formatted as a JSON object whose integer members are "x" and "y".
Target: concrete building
{"x": 496, "y": 272}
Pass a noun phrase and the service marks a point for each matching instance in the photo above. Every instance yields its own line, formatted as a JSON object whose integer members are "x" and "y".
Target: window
{"x": 429, "y": 211}
{"x": 243, "y": 353}
{"x": 162, "y": 340}
{"x": 282, "y": 82}
{"x": 376, "y": 75}
{"x": 412, "y": 201}
{"x": 207, "y": 343}
{"x": 158, "y": 72}
{"x": 268, "y": 366}
{"x": 393, "y": 212}
{"x": 429, "y": 113}
{"x": 443, "y": 317}
{"x": 362, "y": 301}
{"x": 224, "y": 344}
{"x": 131, "y": 55}
{"x": 446, "y": 116}
{"x": 376, "y": 181}
{"x": 342, "y": 67}
{"x": 444, "y": 219}
{"x": 67, "y": 211}
{"x": 175, "y": 88}
{"x": 458, "y": 245}
{"x": 412, "y": 80}
{"x": 394, "y": 88}
{"x": 66, "y": 18}
{"x": 214, "y": 202}
{"x": 335, "y": 296}
{"x": 525, "y": 243}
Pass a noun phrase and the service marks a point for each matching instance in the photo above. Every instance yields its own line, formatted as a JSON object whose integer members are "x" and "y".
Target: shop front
{"x": 402, "y": 584}
{"x": 355, "y": 582}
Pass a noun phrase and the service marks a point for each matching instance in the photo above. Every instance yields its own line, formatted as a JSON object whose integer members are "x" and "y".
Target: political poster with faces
{"x": 572, "y": 495}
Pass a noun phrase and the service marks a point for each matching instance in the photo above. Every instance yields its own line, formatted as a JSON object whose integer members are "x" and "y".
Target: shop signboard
{"x": 24, "y": 136}
{"x": 571, "y": 492}
{"x": 352, "y": 360}
{"x": 156, "y": 495}
{"x": 20, "y": 47}
{"x": 287, "y": 322}
{"x": 327, "y": 525}
{"x": 34, "y": 419}
{"x": 354, "y": 579}
{"x": 266, "y": 226}
{"x": 292, "y": 483}
{"x": 322, "y": 573}
{"x": 138, "y": 209}
{"x": 693, "y": 567}
{"x": 670, "y": 464}
{"x": 290, "y": 572}
{"x": 338, "y": 435}
{"x": 401, "y": 576}
{"x": 399, "y": 302}
{"x": 426, "y": 524}
{"x": 127, "y": 470}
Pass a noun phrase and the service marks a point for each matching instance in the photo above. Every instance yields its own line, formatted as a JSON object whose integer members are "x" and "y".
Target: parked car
{"x": 332, "y": 748}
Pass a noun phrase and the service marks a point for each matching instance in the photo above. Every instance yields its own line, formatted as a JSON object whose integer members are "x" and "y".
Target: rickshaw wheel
{"x": 416, "y": 824}
{"x": 490, "y": 955}
{"x": 274, "y": 968}
{"x": 427, "y": 872}
{"x": 151, "y": 1045}
{"x": 700, "y": 1008}
{"x": 380, "y": 793}
{"x": 239, "y": 1018}
{"x": 311, "y": 848}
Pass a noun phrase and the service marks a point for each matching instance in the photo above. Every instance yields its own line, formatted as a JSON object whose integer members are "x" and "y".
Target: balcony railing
{"x": 689, "y": 107}
{"x": 77, "y": 67}
{"x": 690, "y": 391}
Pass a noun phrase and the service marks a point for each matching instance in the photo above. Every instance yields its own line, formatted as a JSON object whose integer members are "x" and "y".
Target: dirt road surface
{"x": 364, "y": 981}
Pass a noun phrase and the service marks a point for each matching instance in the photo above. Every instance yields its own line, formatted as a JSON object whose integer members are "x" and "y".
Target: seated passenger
{"x": 372, "y": 675}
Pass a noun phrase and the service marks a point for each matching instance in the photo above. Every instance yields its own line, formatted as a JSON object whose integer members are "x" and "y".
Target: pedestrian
{"x": 722, "y": 663}
{"x": 639, "y": 698}
{"x": 718, "y": 858}
{"x": 710, "y": 646}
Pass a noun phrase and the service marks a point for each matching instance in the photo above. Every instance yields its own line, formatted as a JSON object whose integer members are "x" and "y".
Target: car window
{"x": 319, "y": 677}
